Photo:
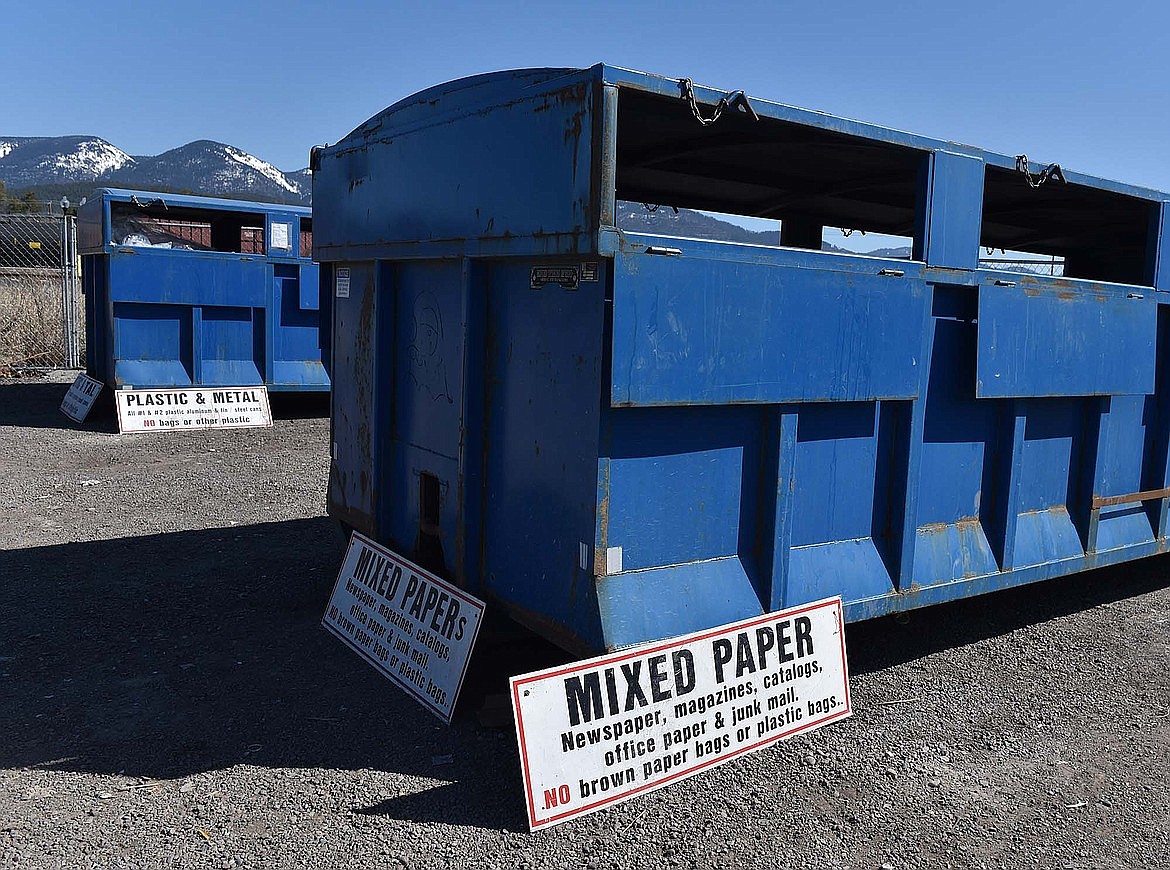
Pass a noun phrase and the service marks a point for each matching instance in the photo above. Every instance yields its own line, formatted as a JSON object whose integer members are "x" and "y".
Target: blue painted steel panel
{"x": 956, "y": 194}
{"x": 543, "y": 377}
{"x": 1044, "y": 339}
{"x": 154, "y": 344}
{"x": 691, "y": 331}
{"x": 158, "y": 314}
{"x": 684, "y": 433}
{"x": 186, "y": 278}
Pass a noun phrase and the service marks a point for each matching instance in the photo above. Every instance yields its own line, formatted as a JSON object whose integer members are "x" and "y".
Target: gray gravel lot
{"x": 168, "y": 699}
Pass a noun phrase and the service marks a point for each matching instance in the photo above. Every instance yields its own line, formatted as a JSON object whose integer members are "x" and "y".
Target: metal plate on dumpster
{"x": 192, "y": 408}
{"x": 601, "y": 731}
{"x": 83, "y": 392}
{"x": 567, "y": 277}
{"x": 413, "y": 627}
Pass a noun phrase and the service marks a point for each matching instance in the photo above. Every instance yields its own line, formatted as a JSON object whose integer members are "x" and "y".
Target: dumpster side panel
{"x": 960, "y": 455}
{"x": 153, "y": 345}
{"x": 1123, "y": 466}
{"x": 295, "y": 328}
{"x": 188, "y": 278}
{"x": 543, "y": 380}
{"x": 685, "y": 491}
{"x": 1053, "y": 341}
{"x": 230, "y": 345}
{"x": 688, "y": 330}
{"x": 421, "y": 383}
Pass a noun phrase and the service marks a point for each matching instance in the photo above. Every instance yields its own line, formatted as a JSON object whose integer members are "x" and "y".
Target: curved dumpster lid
{"x": 458, "y": 96}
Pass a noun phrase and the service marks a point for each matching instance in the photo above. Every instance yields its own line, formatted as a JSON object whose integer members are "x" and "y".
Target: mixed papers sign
{"x": 80, "y": 398}
{"x": 415, "y": 628}
{"x": 197, "y": 408}
{"x": 598, "y": 732}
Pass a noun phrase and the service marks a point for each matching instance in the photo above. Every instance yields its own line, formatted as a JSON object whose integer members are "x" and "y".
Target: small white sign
{"x": 80, "y": 398}
{"x": 599, "y": 732}
{"x": 192, "y": 408}
{"x": 341, "y": 282}
{"x": 413, "y": 627}
{"x": 280, "y": 234}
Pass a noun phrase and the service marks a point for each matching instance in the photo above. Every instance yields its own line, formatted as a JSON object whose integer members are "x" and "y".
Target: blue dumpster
{"x": 618, "y": 436}
{"x": 191, "y": 291}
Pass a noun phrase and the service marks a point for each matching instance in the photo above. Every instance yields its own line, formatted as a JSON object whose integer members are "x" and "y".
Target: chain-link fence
{"x": 41, "y": 312}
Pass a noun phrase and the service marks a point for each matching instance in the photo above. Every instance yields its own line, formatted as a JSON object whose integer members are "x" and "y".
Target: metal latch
{"x": 1005, "y": 283}
{"x": 892, "y": 273}
{"x": 663, "y": 251}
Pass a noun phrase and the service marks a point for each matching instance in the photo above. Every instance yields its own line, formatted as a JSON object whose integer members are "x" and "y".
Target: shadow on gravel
{"x": 171, "y": 655}
{"x": 298, "y": 406}
{"x": 892, "y": 640}
{"x": 37, "y": 405}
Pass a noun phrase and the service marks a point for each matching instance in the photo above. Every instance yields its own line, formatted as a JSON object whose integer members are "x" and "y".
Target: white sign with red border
{"x": 601, "y": 731}
{"x": 416, "y": 629}
{"x": 83, "y": 392}
{"x": 192, "y": 408}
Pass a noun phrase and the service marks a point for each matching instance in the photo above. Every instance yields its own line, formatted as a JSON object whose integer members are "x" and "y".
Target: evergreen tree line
{"x": 25, "y": 203}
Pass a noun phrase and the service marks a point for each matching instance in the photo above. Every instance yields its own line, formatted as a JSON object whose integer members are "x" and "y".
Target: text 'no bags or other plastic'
{"x": 601, "y": 731}
{"x": 192, "y": 408}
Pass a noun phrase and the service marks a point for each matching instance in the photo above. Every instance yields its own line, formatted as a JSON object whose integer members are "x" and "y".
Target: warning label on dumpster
{"x": 192, "y": 408}
{"x": 415, "y": 628}
{"x": 601, "y": 731}
{"x": 83, "y": 392}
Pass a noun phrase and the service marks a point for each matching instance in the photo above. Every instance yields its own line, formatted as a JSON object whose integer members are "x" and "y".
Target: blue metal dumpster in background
{"x": 621, "y": 436}
{"x": 185, "y": 291}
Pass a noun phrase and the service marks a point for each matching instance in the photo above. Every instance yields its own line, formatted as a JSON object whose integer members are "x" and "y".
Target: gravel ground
{"x": 167, "y": 698}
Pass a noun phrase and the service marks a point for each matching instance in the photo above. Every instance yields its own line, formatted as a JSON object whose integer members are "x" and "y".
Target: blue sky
{"x": 1083, "y": 83}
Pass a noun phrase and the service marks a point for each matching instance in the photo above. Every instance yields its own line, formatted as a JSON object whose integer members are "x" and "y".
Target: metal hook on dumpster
{"x": 1052, "y": 170}
{"x": 651, "y": 208}
{"x": 730, "y": 100}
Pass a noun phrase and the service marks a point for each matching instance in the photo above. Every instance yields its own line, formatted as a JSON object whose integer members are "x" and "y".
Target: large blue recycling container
{"x": 187, "y": 291}
{"x": 619, "y": 436}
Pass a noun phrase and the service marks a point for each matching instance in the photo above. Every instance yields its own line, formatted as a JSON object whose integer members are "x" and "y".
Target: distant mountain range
{"x": 52, "y": 166}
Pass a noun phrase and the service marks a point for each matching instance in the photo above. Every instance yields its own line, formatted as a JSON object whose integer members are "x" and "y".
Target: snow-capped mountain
{"x": 50, "y": 164}
{"x": 212, "y": 169}
{"x": 26, "y": 161}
